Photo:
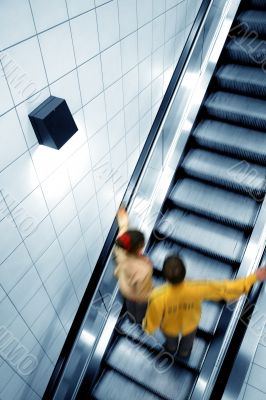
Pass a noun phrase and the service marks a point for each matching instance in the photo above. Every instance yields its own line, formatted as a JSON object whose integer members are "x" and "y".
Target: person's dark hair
{"x": 131, "y": 241}
{"x": 174, "y": 270}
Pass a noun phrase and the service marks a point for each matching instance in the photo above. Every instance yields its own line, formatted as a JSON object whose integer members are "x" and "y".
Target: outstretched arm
{"x": 122, "y": 220}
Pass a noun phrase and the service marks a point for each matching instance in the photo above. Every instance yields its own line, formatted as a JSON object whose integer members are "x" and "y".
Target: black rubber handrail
{"x": 109, "y": 243}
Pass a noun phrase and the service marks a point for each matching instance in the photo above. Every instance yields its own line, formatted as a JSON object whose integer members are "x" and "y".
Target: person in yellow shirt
{"x": 133, "y": 270}
{"x": 175, "y": 307}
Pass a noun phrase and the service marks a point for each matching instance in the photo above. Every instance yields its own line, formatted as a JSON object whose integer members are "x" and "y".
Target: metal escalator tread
{"x": 218, "y": 204}
{"x": 199, "y": 233}
{"x": 244, "y": 143}
{"x": 255, "y": 20}
{"x": 242, "y": 110}
{"x": 198, "y": 266}
{"x": 246, "y": 50}
{"x": 242, "y": 79}
{"x": 134, "y": 331}
{"x": 140, "y": 365}
{"x": 113, "y": 386}
{"x": 259, "y": 4}
{"x": 226, "y": 171}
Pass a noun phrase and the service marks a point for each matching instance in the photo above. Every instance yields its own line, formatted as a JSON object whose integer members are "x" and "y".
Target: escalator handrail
{"x": 109, "y": 242}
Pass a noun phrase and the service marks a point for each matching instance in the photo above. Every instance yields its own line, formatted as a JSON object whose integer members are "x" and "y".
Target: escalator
{"x": 208, "y": 215}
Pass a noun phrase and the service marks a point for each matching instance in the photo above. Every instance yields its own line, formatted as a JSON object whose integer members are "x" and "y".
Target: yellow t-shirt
{"x": 177, "y": 308}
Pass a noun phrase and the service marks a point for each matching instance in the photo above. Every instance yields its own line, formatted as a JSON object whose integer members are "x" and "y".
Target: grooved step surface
{"x": 246, "y": 50}
{"x": 219, "y": 204}
{"x": 226, "y": 171}
{"x": 199, "y": 233}
{"x": 244, "y": 143}
{"x": 255, "y": 20}
{"x": 144, "y": 367}
{"x": 114, "y": 386}
{"x": 242, "y": 79}
{"x": 242, "y": 110}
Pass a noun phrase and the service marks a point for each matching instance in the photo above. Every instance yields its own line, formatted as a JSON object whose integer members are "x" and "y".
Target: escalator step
{"x": 246, "y": 51}
{"x": 209, "y": 237}
{"x": 197, "y": 265}
{"x": 243, "y": 110}
{"x": 113, "y": 386}
{"x": 215, "y": 203}
{"x": 255, "y": 20}
{"x": 135, "y": 332}
{"x": 242, "y": 79}
{"x": 159, "y": 375}
{"x": 259, "y": 4}
{"x": 233, "y": 140}
{"x": 237, "y": 175}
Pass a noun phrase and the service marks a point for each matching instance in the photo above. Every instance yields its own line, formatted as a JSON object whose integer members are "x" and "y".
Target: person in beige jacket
{"x": 133, "y": 270}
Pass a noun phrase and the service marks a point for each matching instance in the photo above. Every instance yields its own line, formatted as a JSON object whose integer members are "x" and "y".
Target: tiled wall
{"x": 111, "y": 61}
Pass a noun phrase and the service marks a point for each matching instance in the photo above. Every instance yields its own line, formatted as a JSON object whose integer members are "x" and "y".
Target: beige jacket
{"x": 134, "y": 275}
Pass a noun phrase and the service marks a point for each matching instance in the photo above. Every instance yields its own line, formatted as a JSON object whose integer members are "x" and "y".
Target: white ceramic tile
{"x": 155, "y": 109}
{"x": 120, "y": 184}
{"x": 79, "y": 164}
{"x": 168, "y": 73}
{"x": 106, "y": 193}
{"x": 80, "y": 273}
{"x": 158, "y": 7}
{"x": 11, "y": 133}
{"x": 99, "y": 145}
{"x": 192, "y": 9}
{"x": 46, "y": 160}
{"x": 95, "y": 250}
{"x": 108, "y": 25}
{"x": 25, "y": 77}
{"x": 57, "y": 279}
{"x": 76, "y": 7}
{"x": 8, "y": 312}
{"x": 157, "y": 89}
{"x": 114, "y": 99}
{"x": 68, "y": 89}
{"x": 46, "y": 325}
{"x": 90, "y": 78}
{"x": 58, "y": 60}
{"x": 6, "y": 102}
{"x": 127, "y": 17}
{"x": 145, "y": 101}
{"x": 181, "y": 16}
{"x": 100, "y": 2}
{"x": 6, "y": 374}
{"x": 39, "y": 240}
{"x": 116, "y": 128}
{"x": 102, "y": 171}
{"x": 145, "y": 41}
{"x": 68, "y": 310}
{"x": 131, "y": 161}
{"x": 49, "y": 260}
{"x": 91, "y": 235}
{"x": 144, "y": 73}
{"x": 56, "y": 187}
{"x": 131, "y": 114}
{"x": 30, "y": 212}
{"x": 95, "y": 115}
{"x": 89, "y": 213}
{"x": 48, "y": 14}
{"x": 118, "y": 157}
{"x": 131, "y": 84}
{"x": 170, "y": 24}
{"x": 34, "y": 308}
{"x": 253, "y": 393}
{"x": 158, "y": 27}
{"x": 16, "y": 22}
{"x": 25, "y": 289}
{"x": 17, "y": 189}
{"x": 83, "y": 191}
{"x": 85, "y": 36}
{"x": 129, "y": 52}
{"x": 169, "y": 50}
{"x": 14, "y": 267}
{"x": 144, "y": 128}
{"x": 157, "y": 62}
{"x": 63, "y": 214}
{"x": 10, "y": 238}
{"x": 24, "y": 109}
{"x": 171, "y": 3}
{"x": 111, "y": 65}
{"x": 144, "y": 11}
{"x": 2, "y": 296}
{"x": 132, "y": 139}
{"x": 76, "y": 255}
{"x": 107, "y": 215}
{"x": 70, "y": 235}
{"x": 14, "y": 388}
